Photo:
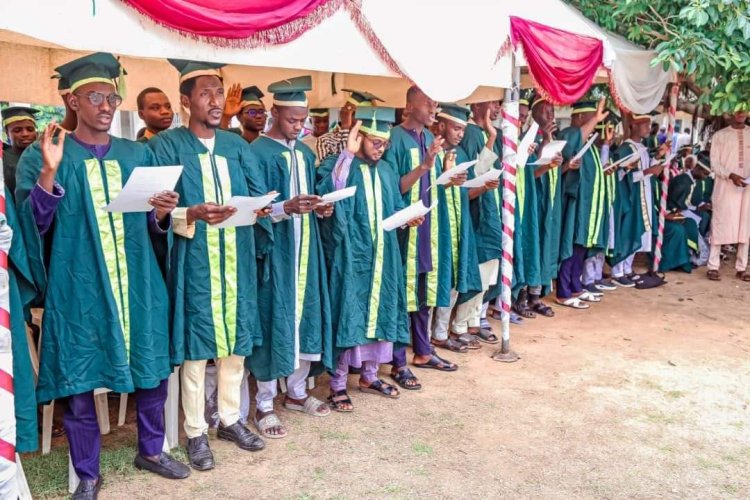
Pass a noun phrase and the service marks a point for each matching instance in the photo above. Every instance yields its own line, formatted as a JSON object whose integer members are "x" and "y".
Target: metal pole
{"x": 510, "y": 128}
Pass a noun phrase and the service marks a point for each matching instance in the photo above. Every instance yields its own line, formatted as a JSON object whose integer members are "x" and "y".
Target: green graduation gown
{"x": 485, "y": 209}
{"x": 404, "y": 155}
{"x": 290, "y": 304}
{"x": 105, "y": 301}
{"x": 365, "y": 271}
{"x": 22, "y": 292}
{"x": 584, "y": 192}
{"x": 629, "y": 222}
{"x": 549, "y": 192}
{"x": 212, "y": 276}
{"x": 528, "y": 212}
{"x": 680, "y": 236}
{"x": 702, "y": 193}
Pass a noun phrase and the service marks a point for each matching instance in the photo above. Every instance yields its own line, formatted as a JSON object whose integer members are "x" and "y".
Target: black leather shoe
{"x": 166, "y": 467}
{"x": 241, "y": 436}
{"x": 200, "y": 454}
{"x": 88, "y": 489}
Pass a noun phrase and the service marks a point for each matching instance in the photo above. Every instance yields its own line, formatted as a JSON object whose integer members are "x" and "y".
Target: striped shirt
{"x": 332, "y": 143}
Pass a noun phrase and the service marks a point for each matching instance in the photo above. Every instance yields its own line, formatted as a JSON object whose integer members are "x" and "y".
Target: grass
{"x": 335, "y": 436}
{"x": 421, "y": 448}
{"x": 47, "y": 475}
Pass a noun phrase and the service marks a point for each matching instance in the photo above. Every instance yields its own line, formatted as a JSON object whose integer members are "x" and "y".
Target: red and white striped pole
{"x": 8, "y": 468}
{"x": 510, "y": 127}
{"x": 674, "y": 89}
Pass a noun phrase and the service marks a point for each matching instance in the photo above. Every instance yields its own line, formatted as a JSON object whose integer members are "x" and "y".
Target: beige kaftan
{"x": 730, "y": 154}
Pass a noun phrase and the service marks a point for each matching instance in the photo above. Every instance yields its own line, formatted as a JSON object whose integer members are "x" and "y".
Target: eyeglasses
{"x": 378, "y": 144}
{"x": 97, "y": 98}
{"x": 252, "y": 113}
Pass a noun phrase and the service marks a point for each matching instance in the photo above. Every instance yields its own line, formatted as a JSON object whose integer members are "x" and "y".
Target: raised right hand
{"x": 354, "y": 140}
{"x": 233, "y": 100}
{"x": 52, "y": 152}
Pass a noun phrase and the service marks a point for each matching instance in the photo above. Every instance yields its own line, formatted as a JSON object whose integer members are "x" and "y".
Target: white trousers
{"x": 593, "y": 269}
{"x": 714, "y": 257}
{"x": 441, "y": 318}
{"x": 296, "y": 386}
{"x": 229, "y": 372}
{"x": 623, "y": 268}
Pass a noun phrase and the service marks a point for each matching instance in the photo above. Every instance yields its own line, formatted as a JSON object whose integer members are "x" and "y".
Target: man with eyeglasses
{"x": 105, "y": 301}
{"x": 155, "y": 110}
{"x": 213, "y": 275}
{"x": 247, "y": 106}
{"x": 293, "y": 292}
{"x": 366, "y": 278}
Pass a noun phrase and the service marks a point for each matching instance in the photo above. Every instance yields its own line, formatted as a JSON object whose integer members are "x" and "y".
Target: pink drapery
{"x": 563, "y": 65}
{"x": 247, "y": 23}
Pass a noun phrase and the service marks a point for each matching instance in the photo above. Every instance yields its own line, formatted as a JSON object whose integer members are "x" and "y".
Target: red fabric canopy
{"x": 563, "y": 65}
{"x": 238, "y": 22}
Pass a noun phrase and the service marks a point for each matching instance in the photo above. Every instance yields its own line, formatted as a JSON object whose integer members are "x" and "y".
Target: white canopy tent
{"x": 448, "y": 67}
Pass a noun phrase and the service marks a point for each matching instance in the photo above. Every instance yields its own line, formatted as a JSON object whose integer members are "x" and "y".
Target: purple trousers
{"x": 420, "y": 327}
{"x": 84, "y": 436}
{"x": 571, "y": 270}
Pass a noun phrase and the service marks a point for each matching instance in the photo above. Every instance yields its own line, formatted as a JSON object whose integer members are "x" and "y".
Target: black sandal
{"x": 523, "y": 310}
{"x": 403, "y": 377}
{"x": 451, "y": 345}
{"x": 467, "y": 339}
{"x": 338, "y": 404}
{"x": 381, "y": 388}
{"x": 487, "y": 336}
{"x": 437, "y": 363}
{"x": 543, "y": 309}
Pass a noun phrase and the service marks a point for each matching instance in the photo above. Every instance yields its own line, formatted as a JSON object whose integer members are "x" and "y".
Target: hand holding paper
{"x": 142, "y": 185}
{"x": 446, "y": 176}
{"x": 483, "y": 179}
{"x": 549, "y": 152}
{"x": 246, "y": 207}
{"x": 339, "y": 195}
{"x": 402, "y": 217}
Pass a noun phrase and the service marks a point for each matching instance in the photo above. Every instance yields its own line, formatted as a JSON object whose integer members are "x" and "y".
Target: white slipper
{"x": 267, "y": 422}
{"x": 574, "y": 303}
{"x": 589, "y": 297}
{"x": 310, "y": 407}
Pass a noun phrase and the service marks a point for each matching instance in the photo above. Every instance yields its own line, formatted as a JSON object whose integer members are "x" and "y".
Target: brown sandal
{"x": 743, "y": 275}
{"x": 713, "y": 275}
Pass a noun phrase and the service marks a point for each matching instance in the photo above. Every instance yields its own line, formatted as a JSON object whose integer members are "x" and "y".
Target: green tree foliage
{"x": 706, "y": 41}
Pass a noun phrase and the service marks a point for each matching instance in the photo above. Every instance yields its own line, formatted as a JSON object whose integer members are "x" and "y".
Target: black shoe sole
{"x": 224, "y": 437}
{"x": 204, "y": 468}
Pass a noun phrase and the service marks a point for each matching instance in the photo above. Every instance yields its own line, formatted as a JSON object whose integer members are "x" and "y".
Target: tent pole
{"x": 510, "y": 129}
{"x": 666, "y": 173}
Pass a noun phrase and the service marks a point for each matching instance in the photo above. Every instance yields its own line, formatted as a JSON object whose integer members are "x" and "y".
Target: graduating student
{"x": 20, "y": 127}
{"x": 427, "y": 264}
{"x": 465, "y": 278}
{"x": 155, "y": 110}
{"x": 247, "y": 105}
{"x": 293, "y": 288}
{"x": 334, "y": 141}
{"x": 583, "y": 204}
{"x": 482, "y": 142}
{"x": 730, "y": 160}
{"x": 365, "y": 271}
{"x": 320, "y": 124}
{"x": 106, "y": 323}
{"x": 213, "y": 275}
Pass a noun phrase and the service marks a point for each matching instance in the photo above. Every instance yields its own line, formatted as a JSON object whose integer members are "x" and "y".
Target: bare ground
{"x": 644, "y": 396}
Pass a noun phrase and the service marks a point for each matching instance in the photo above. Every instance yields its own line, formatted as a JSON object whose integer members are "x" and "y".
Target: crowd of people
{"x": 306, "y": 285}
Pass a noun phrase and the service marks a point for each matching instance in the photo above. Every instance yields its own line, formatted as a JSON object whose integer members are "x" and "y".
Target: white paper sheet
{"x": 144, "y": 183}
{"x": 480, "y": 181}
{"x": 401, "y": 217}
{"x": 549, "y": 152}
{"x": 585, "y": 148}
{"x": 747, "y": 180}
{"x": 339, "y": 195}
{"x": 627, "y": 160}
{"x": 246, "y": 207}
{"x": 523, "y": 149}
{"x": 446, "y": 176}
